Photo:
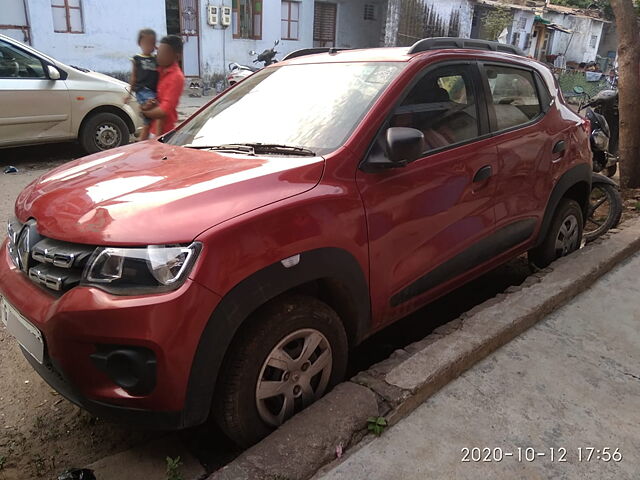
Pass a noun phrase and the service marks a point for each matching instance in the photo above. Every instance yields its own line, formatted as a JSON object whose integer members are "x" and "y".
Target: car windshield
{"x": 312, "y": 106}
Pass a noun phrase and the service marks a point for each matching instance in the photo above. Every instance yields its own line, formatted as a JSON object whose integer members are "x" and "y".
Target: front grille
{"x": 53, "y": 264}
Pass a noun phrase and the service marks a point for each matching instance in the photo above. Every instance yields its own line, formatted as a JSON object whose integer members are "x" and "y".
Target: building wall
{"x": 110, "y": 31}
{"x": 218, "y": 48}
{"x": 521, "y": 17}
{"x": 608, "y": 40}
{"x": 13, "y": 16}
{"x": 353, "y": 31}
{"x": 575, "y": 45}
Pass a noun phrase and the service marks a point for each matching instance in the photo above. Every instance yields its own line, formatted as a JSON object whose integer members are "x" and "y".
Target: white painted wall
{"x": 576, "y": 45}
{"x": 353, "y": 31}
{"x": 218, "y": 48}
{"x": 12, "y": 12}
{"x": 110, "y": 32}
{"x": 528, "y": 17}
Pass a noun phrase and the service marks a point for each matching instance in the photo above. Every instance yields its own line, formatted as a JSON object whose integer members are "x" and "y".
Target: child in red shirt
{"x": 170, "y": 85}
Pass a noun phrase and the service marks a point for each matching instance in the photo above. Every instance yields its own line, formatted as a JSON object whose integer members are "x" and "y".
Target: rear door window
{"x": 442, "y": 105}
{"x": 513, "y": 96}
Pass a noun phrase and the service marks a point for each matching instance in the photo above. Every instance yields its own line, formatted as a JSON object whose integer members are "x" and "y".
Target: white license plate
{"x": 27, "y": 335}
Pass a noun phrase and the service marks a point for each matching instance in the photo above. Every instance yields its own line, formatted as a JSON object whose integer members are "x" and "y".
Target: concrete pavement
{"x": 570, "y": 382}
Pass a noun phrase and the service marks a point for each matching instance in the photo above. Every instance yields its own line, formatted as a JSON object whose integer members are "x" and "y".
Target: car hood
{"x": 152, "y": 193}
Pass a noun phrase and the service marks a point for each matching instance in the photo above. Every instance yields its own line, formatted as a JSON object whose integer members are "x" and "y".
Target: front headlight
{"x": 136, "y": 271}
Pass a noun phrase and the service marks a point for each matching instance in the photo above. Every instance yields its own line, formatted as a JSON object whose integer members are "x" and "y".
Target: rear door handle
{"x": 483, "y": 174}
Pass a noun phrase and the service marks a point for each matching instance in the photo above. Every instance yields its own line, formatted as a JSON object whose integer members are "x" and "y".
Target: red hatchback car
{"x": 228, "y": 267}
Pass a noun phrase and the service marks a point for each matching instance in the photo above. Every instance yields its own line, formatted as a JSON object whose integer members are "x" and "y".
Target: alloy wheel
{"x": 568, "y": 236}
{"x": 295, "y": 374}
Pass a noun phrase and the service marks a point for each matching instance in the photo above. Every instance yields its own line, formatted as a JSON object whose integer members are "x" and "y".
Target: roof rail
{"x": 438, "y": 43}
{"x": 312, "y": 51}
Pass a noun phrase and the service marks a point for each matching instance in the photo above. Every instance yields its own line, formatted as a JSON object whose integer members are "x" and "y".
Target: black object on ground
{"x": 77, "y": 474}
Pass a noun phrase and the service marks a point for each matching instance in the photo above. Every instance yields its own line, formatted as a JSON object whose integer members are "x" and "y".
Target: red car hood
{"x": 152, "y": 193}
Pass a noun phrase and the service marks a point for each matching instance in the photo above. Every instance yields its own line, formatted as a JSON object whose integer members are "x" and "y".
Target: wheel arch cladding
{"x": 326, "y": 270}
{"x": 108, "y": 109}
{"x": 575, "y": 184}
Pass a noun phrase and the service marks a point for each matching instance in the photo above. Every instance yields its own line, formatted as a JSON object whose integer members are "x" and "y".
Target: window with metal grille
{"x": 247, "y": 19}
{"x": 515, "y": 39}
{"x": 324, "y": 24}
{"x": 67, "y": 16}
{"x": 593, "y": 41}
{"x": 522, "y": 23}
{"x": 290, "y": 20}
{"x": 369, "y": 11}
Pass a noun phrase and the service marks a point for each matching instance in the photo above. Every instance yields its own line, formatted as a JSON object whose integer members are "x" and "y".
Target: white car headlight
{"x": 136, "y": 271}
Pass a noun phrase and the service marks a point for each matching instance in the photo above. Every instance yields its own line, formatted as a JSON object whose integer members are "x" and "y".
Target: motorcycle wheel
{"x": 605, "y": 210}
{"x": 611, "y": 171}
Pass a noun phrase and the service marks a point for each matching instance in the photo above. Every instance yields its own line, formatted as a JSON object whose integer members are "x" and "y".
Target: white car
{"x": 43, "y": 100}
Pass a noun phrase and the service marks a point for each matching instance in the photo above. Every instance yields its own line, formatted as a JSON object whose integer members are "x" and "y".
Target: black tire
{"x": 611, "y": 171}
{"x": 548, "y": 251}
{"x": 235, "y": 405}
{"x": 594, "y": 227}
{"x": 103, "y": 131}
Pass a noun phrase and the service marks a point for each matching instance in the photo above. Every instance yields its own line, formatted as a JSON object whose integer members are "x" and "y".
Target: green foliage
{"x": 496, "y": 20}
{"x": 376, "y": 425}
{"x": 173, "y": 468}
{"x": 3, "y": 460}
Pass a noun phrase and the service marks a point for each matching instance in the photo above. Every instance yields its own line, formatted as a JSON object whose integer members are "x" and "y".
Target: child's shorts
{"x": 142, "y": 96}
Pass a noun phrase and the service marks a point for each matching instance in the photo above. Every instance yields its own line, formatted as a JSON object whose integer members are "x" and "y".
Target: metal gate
{"x": 190, "y": 32}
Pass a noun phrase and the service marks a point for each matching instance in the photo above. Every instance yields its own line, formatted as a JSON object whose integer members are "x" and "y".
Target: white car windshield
{"x": 311, "y": 106}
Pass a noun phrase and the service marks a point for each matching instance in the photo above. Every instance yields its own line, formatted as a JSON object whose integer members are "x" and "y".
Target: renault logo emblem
{"x": 27, "y": 238}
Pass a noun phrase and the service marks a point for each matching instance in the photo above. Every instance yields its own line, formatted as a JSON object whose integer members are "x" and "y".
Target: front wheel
{"x": 563, "y": 237}
{"x": 605, "y": 210}
{"x": 288, "y": 356}
{"x": 103, "y": 131}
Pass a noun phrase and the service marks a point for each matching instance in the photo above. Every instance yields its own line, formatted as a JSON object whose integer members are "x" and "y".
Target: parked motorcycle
{"x": 605, "y": 202}
{"x": 239, "y": 72}
{"x": 602, "y": 112}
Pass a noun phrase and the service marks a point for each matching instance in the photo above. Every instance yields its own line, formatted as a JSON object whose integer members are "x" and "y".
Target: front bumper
{"x": 77, "y": 324}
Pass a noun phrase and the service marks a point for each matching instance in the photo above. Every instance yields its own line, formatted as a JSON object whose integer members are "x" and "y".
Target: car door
{"x": 34, "y": 107}
{"x": 526, "y": 143}
{"x": 427, "y": 220}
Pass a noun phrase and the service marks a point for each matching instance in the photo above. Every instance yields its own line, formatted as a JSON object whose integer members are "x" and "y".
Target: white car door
{"x": 33, "y": 107}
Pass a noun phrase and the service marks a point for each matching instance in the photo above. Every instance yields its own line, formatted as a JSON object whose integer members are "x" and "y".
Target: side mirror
{"x": 578, "y": 89}
{"x": 404, "y": 145}
{"x": 53, "y": 73}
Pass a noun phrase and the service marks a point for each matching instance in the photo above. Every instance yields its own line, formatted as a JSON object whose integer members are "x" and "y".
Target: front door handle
{"x": 483, "y": 174}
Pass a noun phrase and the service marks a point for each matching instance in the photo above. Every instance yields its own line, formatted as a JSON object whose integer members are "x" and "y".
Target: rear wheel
{"x": 563, "y": 237}
{"x": 288, "y": 356}
{"x": 605, "y": 210}
{"x": 103, "y": 131}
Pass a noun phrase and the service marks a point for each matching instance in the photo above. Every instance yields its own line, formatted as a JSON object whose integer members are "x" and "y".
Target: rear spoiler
{"x": 312, "y": 51}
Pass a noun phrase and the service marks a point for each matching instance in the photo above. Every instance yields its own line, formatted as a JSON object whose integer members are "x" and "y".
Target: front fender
{"x": 253, "y": 292}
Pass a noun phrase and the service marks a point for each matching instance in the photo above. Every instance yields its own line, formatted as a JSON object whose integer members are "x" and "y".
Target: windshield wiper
{"x": 257, "y": 148}
{"x": 229, "y": 147}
